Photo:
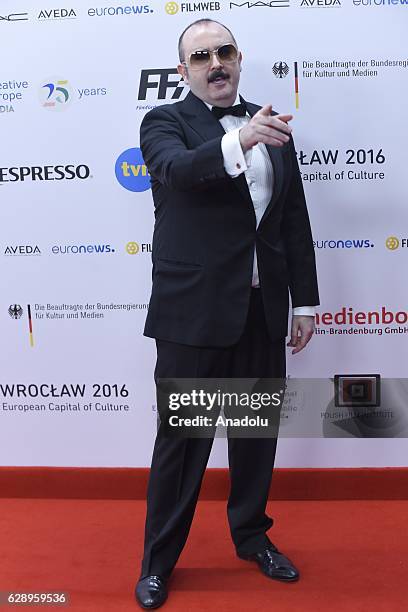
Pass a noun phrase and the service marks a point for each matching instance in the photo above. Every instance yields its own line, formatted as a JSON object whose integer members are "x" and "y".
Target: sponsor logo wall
{"x": 76, "y": 375}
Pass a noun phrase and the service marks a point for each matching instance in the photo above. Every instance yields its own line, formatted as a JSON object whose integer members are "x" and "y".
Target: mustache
{"x": 216, "y": 74}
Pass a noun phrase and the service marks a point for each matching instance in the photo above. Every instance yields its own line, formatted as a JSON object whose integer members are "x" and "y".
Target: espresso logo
{"x": 44, "y": 173}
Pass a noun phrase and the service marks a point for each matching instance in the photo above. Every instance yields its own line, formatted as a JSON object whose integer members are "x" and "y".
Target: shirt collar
{"x": 237, "y": 101}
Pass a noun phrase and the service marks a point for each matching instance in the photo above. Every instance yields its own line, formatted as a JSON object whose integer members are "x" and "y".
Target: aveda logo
{"x": 52, "y": 14}
{"x": 320, "y": 4}
{"x": 22, "y": 249}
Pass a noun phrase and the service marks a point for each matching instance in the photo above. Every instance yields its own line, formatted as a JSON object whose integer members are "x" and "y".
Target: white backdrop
{"x": 77, "y": 214}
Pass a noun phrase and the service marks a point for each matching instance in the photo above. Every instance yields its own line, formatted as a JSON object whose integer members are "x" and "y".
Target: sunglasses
{"x": 202, "y": 58}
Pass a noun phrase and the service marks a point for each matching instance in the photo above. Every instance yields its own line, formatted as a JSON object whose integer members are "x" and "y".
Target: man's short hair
{"x": 198, "y": 22}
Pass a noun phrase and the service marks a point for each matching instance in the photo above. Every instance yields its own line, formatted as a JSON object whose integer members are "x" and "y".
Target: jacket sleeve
{"x": 298, "y": 241}
{"x": 168, "y": 159}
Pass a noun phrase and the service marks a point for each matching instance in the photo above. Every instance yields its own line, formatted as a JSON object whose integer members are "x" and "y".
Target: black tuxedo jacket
{"x": 205, "y": 233}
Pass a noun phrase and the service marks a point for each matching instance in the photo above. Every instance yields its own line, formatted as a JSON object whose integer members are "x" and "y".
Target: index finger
{"x": 277, "y": 123}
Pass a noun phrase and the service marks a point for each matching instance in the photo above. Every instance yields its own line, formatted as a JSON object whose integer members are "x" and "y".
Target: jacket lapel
{"x": 203, "y": 122}
{"x": 275, "y": 156}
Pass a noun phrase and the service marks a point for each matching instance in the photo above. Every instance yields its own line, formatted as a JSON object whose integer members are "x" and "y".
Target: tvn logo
{"x": 131, "y": 171}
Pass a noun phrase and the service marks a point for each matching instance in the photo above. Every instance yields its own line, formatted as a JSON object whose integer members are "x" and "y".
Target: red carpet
{"x": 352, "y": 556}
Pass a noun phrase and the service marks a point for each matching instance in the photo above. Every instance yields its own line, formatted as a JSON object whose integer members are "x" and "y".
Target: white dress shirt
{"x": 257, "y": 167}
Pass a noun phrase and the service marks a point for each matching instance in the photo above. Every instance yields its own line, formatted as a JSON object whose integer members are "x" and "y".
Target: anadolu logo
{"x": 56, "y": 94}
{"x": 131, "y": 171}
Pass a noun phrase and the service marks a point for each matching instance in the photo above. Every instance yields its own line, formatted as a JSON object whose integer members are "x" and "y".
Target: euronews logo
{"x": 363, "y": 243}
{"x": 131, "y": 171}
{"x": 82, "y": 249}
{"x": 380, "y": 2}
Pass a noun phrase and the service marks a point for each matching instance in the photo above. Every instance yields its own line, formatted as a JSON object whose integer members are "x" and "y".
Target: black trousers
{"x": 178, "y": 464}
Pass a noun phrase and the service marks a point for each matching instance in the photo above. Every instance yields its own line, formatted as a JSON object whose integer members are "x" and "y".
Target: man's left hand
{"x": 302, "y": 330}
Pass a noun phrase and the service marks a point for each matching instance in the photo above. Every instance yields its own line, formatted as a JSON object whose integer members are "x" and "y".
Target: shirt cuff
{"x": 306, "y": 311}
{"x": 235, "y": 161}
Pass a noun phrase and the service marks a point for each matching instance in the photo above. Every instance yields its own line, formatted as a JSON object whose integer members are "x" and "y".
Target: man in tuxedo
{"x": 231, "y": 239}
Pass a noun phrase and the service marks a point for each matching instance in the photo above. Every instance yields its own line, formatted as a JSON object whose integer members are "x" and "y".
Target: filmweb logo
{"x": 393, "y": 243}
{"x": 133, "y": 248}
{"x": 172, "y": 8}
{"x": 348, "y": 321}
{"x": 361, "y": 243}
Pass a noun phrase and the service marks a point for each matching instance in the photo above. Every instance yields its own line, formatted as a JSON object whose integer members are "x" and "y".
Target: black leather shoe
{"x": 274, "y": 564}
{"x": 151, "y": 592}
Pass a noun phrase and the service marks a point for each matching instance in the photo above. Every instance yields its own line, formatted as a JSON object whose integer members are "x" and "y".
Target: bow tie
{"x": 239, "y": 110}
